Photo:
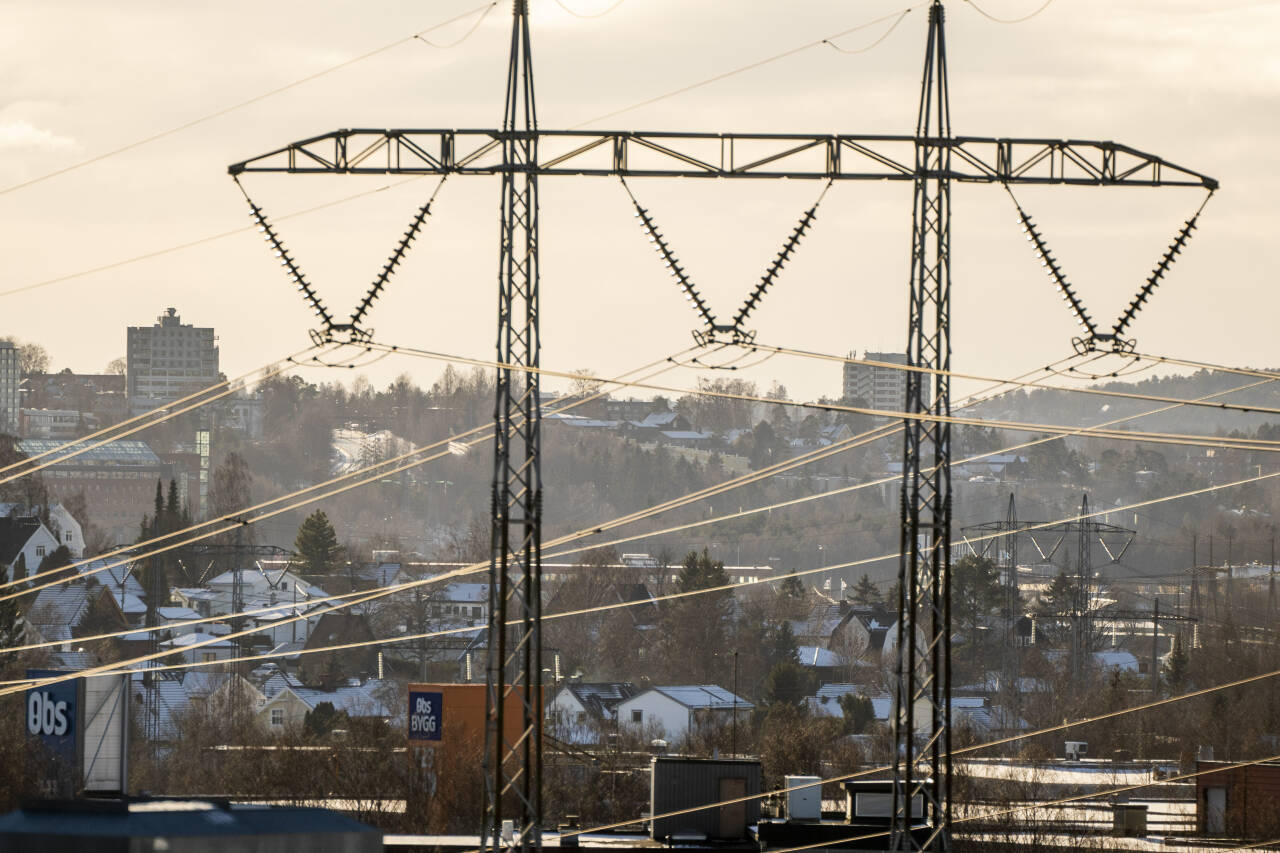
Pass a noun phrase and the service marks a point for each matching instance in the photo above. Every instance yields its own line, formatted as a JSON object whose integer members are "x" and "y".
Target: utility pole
{"x": 1155, "y": 648}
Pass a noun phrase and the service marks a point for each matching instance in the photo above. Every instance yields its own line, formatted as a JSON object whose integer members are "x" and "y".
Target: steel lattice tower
{"x": 924, "y": 598}
{"x": 513, "y": 748}
{"x": 931, "y": 159}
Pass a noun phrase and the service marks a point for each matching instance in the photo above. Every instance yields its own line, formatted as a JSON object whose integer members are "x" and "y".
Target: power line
{"x": 153, "y": 413}
{"x": 381, "y": 592}
{"x": 702, "y": 493}
{"x": 150, "y": 419}
{"x": 566, "y": 7}
{"x": 255, "y": 99}
{"x": 199, "y": 241}
{"x": 750, "y": 66}
{"x": 362, "y": 476}
{"x": 1016, "y": 426}
{"x": 1100, "y": 392}
{"x": 864, "y": 561}
{"x": 991, "y": 17}
{"x": 684, "y": 500}
{"x": 829, "y": 43}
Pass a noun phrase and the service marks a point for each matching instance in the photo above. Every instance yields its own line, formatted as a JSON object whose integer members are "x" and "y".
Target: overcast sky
{"x": 1194, "y": 82}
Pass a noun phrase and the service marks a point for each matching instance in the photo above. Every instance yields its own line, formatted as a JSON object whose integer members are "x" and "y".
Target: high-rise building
{"x": 883, "y": 388}
{"x": 10, "y": 399}
{"x": 168, "y": 360}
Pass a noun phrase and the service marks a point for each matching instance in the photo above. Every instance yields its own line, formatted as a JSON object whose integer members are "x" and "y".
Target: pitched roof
{"x": 602, "y": 698}
{"x": 15, "y": 532}
{"x": 703, "y": 696}
{"x": 818, "y": 656}
{"x": 365, "y": 700}
{"x": 58, "y": 609}
{"x": 114, "y": 575}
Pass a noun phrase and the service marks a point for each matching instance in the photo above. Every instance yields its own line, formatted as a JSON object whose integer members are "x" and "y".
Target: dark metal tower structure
{"x": 519, "y": 153}
{"x": 513, "y": 748}
{"x": 923, "y": 772}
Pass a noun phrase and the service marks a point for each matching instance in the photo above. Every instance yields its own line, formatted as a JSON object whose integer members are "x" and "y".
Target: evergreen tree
{"x": 20, "y": 567}
{"x": 865, "y": 593}
{"x": 858, "y": 712}
{"x": 1175, "y": 671}
{"x": 789, "y": 682}
{"x": 975, "y": 593}
{"x": 317, "y": 544}
{"x": 694, "y": 631}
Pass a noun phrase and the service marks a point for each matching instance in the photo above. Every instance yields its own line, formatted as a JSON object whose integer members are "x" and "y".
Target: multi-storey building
{"x": 10, "y": 400}
{"x": 168, "y": 360}
{"x": 883, "y": 388}
{"x": 117, "y": 480}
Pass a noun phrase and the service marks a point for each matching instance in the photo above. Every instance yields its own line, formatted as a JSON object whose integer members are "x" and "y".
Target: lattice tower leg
{"x": 513, "y": 742}
{"x": 922, "y": 765}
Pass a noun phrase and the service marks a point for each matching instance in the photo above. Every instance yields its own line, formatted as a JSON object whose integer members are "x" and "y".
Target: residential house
{"x": 62, "y": 524}
{"x": 676, "y": 711}
{"x": 467, "y": 603}
{"x": 260, "y": 588}
{"x": 65, "y": 612}
{"x": 582, "y": 713}
{"x": 27, "y": 538}
{"x": 289, "y": 706}
{"x": 179, "y": 695}
{"x": 199, "y": 647}
{"x": 338, "y": 628}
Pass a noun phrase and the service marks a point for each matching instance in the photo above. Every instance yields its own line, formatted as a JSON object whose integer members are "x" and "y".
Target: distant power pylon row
{"x": 1087, "y": 534}
{"x": 519, "y": 153}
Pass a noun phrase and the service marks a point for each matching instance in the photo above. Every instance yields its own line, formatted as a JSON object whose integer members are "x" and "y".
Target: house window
{"x": 277, "y": 716}
{"x": 637, "y": 716}
{"x": 208, "y": 656}
{"x": 475, "y": 612}
{"x": 39, "y": 550}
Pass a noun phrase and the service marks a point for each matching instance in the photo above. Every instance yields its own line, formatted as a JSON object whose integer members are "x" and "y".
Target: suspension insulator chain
{"x": 1055, "y": 272}
{"x": 1153, "y": 281}
{"x": 671, "y": 263}
{"x": 286, "y": 261}
{"x": 375, "y": 289}
{"x": 775, "y": 268}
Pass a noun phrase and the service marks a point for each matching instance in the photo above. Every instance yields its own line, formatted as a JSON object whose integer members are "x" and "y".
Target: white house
{"x": 289, "y": 705}
{"x": 27, "y": 538}
{"x": 581, "y": 712}
{"x": 62, "y": 525}
{"x": 259, "y": 588}
{"x": 462, "y": 602}
{"x": 216, "y": 650}
{"x": 672, "y": 712}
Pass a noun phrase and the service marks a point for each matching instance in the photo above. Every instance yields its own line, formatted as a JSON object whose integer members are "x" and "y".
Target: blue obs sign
{"x": 426, "y": 716}
{"x": 51, "y": 714}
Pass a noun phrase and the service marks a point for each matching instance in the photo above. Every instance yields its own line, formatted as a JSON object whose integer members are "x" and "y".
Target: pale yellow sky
{"x": 1195, "y": 82}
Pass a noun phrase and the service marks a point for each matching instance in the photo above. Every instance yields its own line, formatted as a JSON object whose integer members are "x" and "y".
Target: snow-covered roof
{"x": 365, "y": 700}
{"x": 477, "y": 593}
{"x": 1117, "y": 659}
{"x": 703, "y": 696}
{"x": 212, "y": 641}
{"x": 113, "y": 575}
{"x": 818, "y": 656}
{"x": 128, "y": 602}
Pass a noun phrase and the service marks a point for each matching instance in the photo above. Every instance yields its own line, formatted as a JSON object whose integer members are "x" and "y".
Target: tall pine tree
{"x": 317, "y": 544}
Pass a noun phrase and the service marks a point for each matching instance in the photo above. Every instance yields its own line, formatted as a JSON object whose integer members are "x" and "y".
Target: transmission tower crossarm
{"x": 836, "y": 157}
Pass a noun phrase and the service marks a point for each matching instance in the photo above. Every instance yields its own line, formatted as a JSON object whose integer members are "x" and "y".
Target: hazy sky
{"x": 1195, "y": 82}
